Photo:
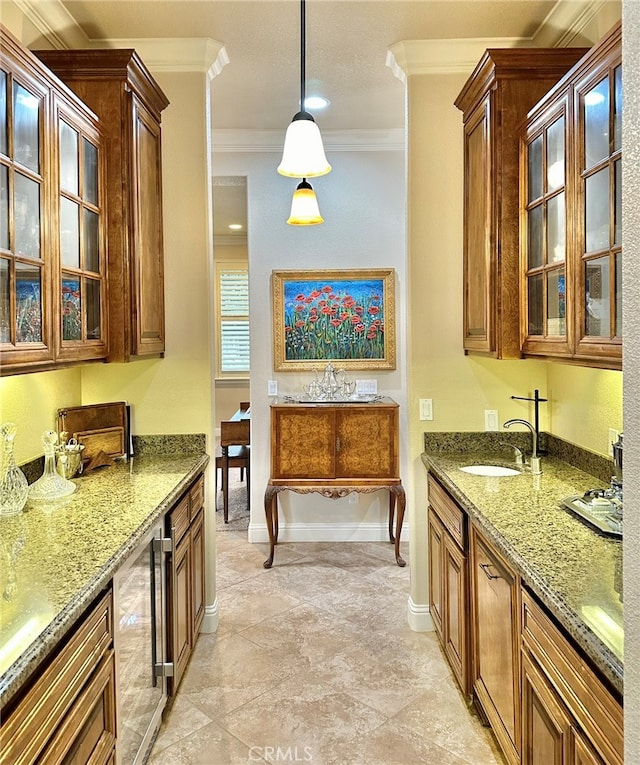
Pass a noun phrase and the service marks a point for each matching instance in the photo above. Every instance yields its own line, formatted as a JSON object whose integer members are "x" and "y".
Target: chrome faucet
{"x": 535, "y": 460}
{"x": 517, "y": 452}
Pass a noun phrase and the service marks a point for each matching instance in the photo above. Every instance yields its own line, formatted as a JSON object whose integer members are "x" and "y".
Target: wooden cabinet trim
{"x": 451, "y": 516}
{"x": 593, "y": 706}
{"x": 32, "y": 722}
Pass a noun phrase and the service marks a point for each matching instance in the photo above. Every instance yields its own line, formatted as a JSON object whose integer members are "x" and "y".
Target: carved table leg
{"x": 398, "y": 492}
{"x": 271, "y": 512}
{"x": 392, "y": 508}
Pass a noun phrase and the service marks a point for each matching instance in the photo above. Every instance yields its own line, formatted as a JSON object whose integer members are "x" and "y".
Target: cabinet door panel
{"x": 365, "y": 443}
{"x": 180, "y": 611}
{"x": 455, "y": 614}
{"x": 545, "y": 725}
{"x": 436, "y": 533}
{"x": 149, "y": 286}
{"x": 198, "y": 574}
{"x": 303, "y": 443}
{"x": 495, "y": 592}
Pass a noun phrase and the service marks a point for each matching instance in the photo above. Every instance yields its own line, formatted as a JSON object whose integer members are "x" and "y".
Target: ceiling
{"x": 347, "y": 44}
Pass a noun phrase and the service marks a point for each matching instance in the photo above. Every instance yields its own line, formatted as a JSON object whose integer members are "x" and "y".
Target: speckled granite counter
{"x": 573, "y": 570}
{"x": 56, "y": 558}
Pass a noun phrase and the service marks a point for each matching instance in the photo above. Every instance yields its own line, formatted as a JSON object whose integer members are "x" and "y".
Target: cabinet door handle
{"x": 337, "y": 443}
{"x": 485, "y": 567}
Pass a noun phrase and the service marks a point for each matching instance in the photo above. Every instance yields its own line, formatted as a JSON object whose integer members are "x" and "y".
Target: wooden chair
{"x": 235, "y": 452}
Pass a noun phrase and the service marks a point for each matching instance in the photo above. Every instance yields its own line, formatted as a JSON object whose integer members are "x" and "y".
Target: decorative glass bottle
{"x": 51, "y": 485}
{"x": 14, "y": 488}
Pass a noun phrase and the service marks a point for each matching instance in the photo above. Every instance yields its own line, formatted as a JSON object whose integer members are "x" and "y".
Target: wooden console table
{"x": 333, "y": 450}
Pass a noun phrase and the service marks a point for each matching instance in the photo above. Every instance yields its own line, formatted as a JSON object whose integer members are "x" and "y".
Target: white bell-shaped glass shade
{"x": 303, "y": 154}
{"x": 304, "y": 207}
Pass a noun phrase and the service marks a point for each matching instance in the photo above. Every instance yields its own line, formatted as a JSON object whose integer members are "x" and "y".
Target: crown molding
{"x": 249, "y": 141}
{"x": 563, "y": 25}
{"x": 54, "y": 22}
{"x": 230, "y": 241}
{"x": 175, "y": 54}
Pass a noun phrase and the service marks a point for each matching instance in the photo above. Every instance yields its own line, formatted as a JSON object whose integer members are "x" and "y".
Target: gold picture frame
{"x": 329, "y": 315}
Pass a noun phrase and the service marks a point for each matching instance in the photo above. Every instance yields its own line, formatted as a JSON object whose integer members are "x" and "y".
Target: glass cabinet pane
{"x": 555, "y": 155}
{"x": 596, "y": 124}
{"x": 596, "y": 213}
{"x": 597, "y": 302}
{"x": 28, "y": 303}
{"x": 5, "y": 305}
{"x": 617, "y": 212}
{"x": 618, "y": 330}
{"x": 617, "y": 108}
{"x": 26, "y": 214}
{"x": 4, "y": 207}
{"x": 534, "y": 163}
{"x": 535, "y": 305}
{"x": 556, "y": 229}
{"x": 69, "y": 233}
{"x": 68, "y": 158}
{"x": 91, "y": 233}
{"x": 92, "y": 304}
{"x": 26, "y": 128}
{"x": 4, "y": 146}
{"x": 535, "y": 243}
{"x": 90, "y": 182}
{"x": 556, "y": 303}
{"x": 71, "y": 309}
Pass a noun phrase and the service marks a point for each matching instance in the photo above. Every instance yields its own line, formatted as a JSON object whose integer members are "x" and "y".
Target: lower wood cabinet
{"x": 495, "y": 619}
{"x": 569, "y": 717}
{"x": 186, "y": 572}
{"x": 448, "y": 580}
{"x": 67, "y": 714}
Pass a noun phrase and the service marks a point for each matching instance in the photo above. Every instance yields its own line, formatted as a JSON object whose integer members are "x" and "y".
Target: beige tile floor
{"x": 314, "y": 662}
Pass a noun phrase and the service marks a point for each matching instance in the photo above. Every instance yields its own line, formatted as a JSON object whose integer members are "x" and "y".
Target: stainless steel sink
{"x": 490, "y": 470}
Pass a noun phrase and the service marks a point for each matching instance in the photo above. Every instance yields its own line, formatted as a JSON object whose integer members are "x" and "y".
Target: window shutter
{"x": 234, "y": 320}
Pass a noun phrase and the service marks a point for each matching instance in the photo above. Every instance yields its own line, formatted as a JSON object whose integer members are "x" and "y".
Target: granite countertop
{"x": 56, "y": 557}
{"x": 572, "y": 569}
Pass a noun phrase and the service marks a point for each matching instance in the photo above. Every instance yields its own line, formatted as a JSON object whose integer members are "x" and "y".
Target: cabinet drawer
{"x": 35, "y": 719}
{"x": 196, "y": 498}
{"x": 593, "y": 706}
{"x": 88, "y": 733}
{"x": 179, "y": 519}
{"x": 451, "y": 516}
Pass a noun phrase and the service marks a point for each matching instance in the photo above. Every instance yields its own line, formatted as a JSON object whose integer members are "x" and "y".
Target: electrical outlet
{"x": 353, "y": 498}
{"x": 491, "y": 419}
{"x": 426, "y": 409}
{"x": 366, "y": 387}
{"x": 272, "y": 388}
{"x": 613, "y": 437}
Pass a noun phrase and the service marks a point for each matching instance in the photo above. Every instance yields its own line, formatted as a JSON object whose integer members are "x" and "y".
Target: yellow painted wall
{"x": 32, "y": 401}
{"x": 174, "y": 394}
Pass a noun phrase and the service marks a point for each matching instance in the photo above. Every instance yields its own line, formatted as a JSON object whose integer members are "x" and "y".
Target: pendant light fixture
{"x": 303, "y": 154}
{"x": 304, "y": 206}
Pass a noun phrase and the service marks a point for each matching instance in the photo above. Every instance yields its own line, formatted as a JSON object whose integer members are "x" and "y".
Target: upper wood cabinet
{"x": 120, "y": 89}
{"x": 354, "y": 443}
{"x": 503, "y": 87}
{"x": 571, "y": 216}
{"x": 53, "y": 293}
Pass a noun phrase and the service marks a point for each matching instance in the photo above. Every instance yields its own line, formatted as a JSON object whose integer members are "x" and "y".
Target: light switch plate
{"x": 426, "y": 409}
{"x": 491, "y": 419}
{"x": 272, "y": 388}
{"x": 366, "y": 387}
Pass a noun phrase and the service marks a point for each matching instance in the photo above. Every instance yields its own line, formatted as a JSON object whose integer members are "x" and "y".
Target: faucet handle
{"x": 519, "y": 457}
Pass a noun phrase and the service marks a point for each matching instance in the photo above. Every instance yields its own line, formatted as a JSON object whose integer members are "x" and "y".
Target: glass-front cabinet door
{"x": 544, "y": 227}
{"x": 25, "y": 257}
{"x": 571, "y": 214}
{"x": 52, "y": 251}
{"x": 81, "y": 288}
{"x": 598, "y": 102}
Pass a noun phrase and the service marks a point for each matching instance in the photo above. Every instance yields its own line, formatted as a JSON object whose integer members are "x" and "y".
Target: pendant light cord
{"x": 303, "y": 54}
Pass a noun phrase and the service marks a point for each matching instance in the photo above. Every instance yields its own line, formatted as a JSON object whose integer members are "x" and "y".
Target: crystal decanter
{"x": 14, "y": 488}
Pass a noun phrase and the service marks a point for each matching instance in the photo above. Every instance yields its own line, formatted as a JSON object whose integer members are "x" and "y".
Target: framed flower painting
{"x": 334, "y": 315}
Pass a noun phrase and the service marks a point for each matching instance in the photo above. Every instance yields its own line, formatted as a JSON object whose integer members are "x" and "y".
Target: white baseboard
{"x": 324, "y": 532}
{"x": 419, "y": 617}
{"x": 211, "y": 617}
